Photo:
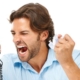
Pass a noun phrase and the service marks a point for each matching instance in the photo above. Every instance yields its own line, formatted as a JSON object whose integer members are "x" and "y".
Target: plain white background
{"x": 64, "y": 13}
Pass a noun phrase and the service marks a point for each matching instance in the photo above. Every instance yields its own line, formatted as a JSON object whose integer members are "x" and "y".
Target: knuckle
{"x": 73, "y": 43}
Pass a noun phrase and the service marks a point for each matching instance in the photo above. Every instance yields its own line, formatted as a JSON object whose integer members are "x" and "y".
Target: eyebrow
{"x": 20, "y": 31}
{"x": 25, "y": 31}
{"x": 12, "y": 31}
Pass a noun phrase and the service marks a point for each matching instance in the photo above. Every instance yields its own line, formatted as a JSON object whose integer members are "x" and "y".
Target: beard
{"x": 32, "y": 50}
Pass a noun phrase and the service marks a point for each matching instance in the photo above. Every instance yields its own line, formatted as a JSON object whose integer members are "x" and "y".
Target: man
{"x": 32, "y": 29}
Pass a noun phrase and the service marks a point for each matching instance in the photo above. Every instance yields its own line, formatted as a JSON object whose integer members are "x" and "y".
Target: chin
{"x": 23, "y": 59}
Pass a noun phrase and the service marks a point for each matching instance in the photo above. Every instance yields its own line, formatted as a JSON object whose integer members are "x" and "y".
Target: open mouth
{"x": 22, "y": 49}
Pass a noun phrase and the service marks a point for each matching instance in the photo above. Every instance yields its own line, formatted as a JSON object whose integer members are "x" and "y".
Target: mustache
{"x": 20, "y": 42}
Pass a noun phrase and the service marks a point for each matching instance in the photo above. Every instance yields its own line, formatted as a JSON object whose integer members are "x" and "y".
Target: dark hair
{"x": 39, "y": 17}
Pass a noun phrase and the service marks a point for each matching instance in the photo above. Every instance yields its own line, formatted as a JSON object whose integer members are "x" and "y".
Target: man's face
{"x": 27, "y": 42}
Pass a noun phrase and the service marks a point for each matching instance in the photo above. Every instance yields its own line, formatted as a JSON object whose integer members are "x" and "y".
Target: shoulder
{"x": 10, "y": 59}
{"x": 8, "y": 67}
{"x": 8, "y": 56}
{"x": 7, "y": 60}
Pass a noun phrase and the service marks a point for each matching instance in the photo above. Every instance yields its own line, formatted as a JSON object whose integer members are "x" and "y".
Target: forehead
{"x": 21, "y": 23}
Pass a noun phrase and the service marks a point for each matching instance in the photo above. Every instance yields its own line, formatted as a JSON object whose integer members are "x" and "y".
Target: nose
{"x": 16, "y": 39}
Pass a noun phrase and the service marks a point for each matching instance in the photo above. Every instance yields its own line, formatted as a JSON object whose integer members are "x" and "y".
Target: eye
{"x": 13, "y": 33}
{"x": 24, "y": 33}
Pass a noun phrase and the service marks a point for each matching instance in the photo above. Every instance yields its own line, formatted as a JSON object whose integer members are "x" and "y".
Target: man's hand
{"x": 64, "y": 48}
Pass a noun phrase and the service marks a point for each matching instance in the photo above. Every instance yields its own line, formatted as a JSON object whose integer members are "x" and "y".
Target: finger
{"x": 69, "y": 39}
{"x": 62, "y": 41}
{"x": 58, "y": 45}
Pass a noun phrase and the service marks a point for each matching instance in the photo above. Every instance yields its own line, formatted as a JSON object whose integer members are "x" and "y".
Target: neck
{"x": 38, "y": 61}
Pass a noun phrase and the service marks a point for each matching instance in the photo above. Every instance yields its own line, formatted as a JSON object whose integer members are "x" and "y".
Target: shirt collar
{"x": 16, "y": 59}
{"x": 50, "y": 59}
{"x": 51, "y": 55}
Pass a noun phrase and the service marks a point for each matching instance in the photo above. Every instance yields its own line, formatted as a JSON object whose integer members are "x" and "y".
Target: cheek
{"x": 26, "y": 39}
{"x": 29, "y": 41}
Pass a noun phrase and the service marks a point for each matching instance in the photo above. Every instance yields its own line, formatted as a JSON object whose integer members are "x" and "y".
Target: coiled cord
{"x": 1, "y": 63}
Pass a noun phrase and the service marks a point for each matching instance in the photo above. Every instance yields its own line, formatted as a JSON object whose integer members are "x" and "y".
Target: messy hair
{"x": 39, "y": 17}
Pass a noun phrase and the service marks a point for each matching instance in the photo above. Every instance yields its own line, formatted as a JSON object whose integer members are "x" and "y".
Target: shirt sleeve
{"x": 76, "y": 57}
{"x": 7, "y": 68}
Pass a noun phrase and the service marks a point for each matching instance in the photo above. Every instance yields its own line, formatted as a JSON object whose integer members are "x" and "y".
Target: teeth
{"x": 20, "y": 46}
{"x": 21, "y": 49}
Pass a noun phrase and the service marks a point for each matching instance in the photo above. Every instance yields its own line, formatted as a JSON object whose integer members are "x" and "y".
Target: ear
{"x": 44, "y": 35}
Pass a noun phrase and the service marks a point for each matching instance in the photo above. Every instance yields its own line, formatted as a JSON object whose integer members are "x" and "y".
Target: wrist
{"x": 68, "y": 63}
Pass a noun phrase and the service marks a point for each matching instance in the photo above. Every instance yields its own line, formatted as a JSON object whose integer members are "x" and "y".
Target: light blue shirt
{"x": 14, "y": 69}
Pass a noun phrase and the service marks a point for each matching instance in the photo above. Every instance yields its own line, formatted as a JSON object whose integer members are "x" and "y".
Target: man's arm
{"x": 72, "y": 70}
{"x": 63, "y": 49}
